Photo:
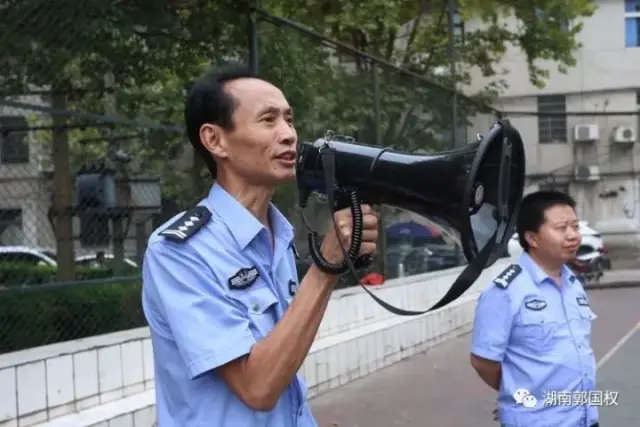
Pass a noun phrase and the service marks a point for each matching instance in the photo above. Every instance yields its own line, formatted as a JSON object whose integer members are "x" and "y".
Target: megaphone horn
{"x": 476, "y": 189}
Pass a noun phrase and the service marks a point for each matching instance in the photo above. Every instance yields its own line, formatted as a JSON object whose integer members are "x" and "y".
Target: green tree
{"x": 111, "y": 57}
{"x": 151, "y": 49}
{"x": 414, "y": 36}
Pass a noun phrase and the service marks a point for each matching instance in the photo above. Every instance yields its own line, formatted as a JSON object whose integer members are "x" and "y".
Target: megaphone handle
{"x": 328, "y": 162}
{"x": 345, "y": 198}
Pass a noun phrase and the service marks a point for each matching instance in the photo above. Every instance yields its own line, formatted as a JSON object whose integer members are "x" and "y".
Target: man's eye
{"x": 268, "y": 119}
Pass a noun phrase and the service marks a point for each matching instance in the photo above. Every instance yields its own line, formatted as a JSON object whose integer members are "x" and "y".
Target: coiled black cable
{"x": 356, "y": 240}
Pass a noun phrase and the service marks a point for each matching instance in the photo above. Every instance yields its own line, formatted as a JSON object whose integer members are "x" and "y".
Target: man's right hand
{"x": 331, "y": 243}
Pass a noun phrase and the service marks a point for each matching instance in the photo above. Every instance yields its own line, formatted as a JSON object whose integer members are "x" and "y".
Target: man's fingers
{"x": 370, "y": 235}
{"x": 370, "y": 221}
{"x": 368, "y": 248}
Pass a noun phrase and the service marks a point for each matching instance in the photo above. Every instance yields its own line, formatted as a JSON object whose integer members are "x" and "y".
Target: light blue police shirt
{"x": 541, "y": 334}
{"x": 204, "y": 310}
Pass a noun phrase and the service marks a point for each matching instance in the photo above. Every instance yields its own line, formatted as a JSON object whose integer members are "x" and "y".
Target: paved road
{"x": 440, "y": 389}
{"x": 622, "y": 277}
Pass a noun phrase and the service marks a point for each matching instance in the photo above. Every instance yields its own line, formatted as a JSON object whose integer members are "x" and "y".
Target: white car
{"x": 590, "y": 237}
{"x": 25, "y": 254}
{"x": 40, "y": 256}
{"x": 93, "y": 261}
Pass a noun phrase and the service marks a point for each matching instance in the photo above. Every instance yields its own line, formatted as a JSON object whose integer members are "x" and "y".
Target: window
{"x": 552, "y": 128}
{"x": 14, "y": 144}
{"x": 638, "y": 108}
{"x": 9, "y": 217}
{"x": 632, "y": 23}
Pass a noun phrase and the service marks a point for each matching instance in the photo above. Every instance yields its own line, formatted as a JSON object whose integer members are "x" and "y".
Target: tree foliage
{"x": 153, "y": 48}
{"x": 414, "y": 34}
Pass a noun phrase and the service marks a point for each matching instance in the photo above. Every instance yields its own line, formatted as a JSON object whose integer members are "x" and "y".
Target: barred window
{"x": 552, "y": 128}
{"x": 14, "y": 144}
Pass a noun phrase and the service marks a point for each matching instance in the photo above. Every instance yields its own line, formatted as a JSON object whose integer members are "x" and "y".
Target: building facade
{"x": 581, "y": 129}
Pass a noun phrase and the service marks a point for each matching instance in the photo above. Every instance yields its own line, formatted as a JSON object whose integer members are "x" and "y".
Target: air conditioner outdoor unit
{"x": 624, "y": 135}
{"x": 587, "y": 173}
{"x": 586, "y": 133}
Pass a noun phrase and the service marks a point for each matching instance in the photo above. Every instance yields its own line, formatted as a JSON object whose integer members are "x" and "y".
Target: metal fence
{"x": 92, "y": 150}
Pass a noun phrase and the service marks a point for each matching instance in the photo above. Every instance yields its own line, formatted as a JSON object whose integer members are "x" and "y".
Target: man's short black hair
{"x": 208, "y": 102}
{"x": 532, "y": 210}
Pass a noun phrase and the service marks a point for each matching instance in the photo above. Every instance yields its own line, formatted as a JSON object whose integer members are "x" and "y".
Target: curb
{"x": 619, "y": 285}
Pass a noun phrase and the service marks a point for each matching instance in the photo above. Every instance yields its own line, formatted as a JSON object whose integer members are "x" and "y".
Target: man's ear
{"x": 531, "y": 239}
{"x": 213, "y": 139}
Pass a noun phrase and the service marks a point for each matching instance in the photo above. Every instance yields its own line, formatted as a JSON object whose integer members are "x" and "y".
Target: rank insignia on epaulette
{"x": 583, "y": 301}
{"x": 188, "y": 224}
{"x": 244, "y": 278}
{"x": 507, "y": 276}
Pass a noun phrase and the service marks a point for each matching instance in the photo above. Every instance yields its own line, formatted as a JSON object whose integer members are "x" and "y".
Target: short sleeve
{"x": 209, "y": 330}
{"x": 492, "y": 324}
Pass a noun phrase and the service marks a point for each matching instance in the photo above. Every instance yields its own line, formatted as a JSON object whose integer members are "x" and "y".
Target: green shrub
{"x": 23, "y": 274}
{"x": 38, "y": 316}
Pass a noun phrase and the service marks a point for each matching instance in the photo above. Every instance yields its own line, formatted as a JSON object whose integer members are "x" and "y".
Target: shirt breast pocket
{"x": 534, "y": 331}
{"x": 584, "y": 319}
{"x": 259, "y": 305}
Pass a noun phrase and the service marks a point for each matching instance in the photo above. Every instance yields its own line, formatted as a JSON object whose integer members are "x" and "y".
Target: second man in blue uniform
{"x": 531, "y": 338}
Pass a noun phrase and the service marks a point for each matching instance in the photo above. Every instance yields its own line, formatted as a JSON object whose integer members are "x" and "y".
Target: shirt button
{"x": 255, "y": 307}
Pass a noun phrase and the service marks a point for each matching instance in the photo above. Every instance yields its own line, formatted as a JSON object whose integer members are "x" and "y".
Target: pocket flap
{"x": 257, "y": 300}
{"x": 529, "y": 317}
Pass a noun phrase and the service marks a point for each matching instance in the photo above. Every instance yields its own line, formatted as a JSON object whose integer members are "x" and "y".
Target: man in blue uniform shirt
{"x": 531, "y": 338}
{"x": 230, "y": 324}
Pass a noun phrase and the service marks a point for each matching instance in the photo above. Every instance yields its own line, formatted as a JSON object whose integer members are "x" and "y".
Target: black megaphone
{"x": 476, "y": 189}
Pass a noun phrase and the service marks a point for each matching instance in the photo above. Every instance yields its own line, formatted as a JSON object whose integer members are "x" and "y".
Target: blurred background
{"x": 93, "y": 155}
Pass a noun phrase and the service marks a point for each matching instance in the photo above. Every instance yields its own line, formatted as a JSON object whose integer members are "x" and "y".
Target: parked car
{"x": 27, "y": 255}
{"x": 40, "y": 256}
{"x": 94, "y": 260}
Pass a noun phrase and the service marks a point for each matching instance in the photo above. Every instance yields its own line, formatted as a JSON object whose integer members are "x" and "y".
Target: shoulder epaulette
{"x": 507, "y": 276}
{"x": 187, "y": 225}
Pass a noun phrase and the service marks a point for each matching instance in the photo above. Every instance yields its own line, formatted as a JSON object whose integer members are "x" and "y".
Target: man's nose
{"x": 574, "y": 235}
{"x": 287, "y": 133}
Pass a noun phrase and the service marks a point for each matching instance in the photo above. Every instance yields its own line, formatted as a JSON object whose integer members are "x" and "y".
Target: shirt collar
{"x": 244, "y": 227}
{"x": 539, "y": 276}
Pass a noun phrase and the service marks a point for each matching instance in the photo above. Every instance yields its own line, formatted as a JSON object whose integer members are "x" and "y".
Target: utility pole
{"x": 451, "y": 13}
{"x": 122, "y": 194}
{"x": 62, "y": 191}
{"x": 254, "y": 53}
{"x": 382, "y": 237}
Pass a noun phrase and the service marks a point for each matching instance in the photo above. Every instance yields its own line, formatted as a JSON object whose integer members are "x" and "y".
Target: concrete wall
{"x": 107, "y": 380}
{"x": 603, "y": 62}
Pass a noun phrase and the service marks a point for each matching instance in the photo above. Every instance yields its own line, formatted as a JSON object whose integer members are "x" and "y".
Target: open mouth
{"x": 289, "y": 156}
